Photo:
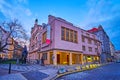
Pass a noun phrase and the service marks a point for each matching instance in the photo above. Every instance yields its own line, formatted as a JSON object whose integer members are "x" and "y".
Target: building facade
{"x": 7, "y": 53}
{"x": 17, "y": 53}
{"x": 35, "y": 41}
{"x": 117, "y": 55}
{"x": 60, "y": 42}
{"x": 9, "y": 50}
{"x": 104, "y": 39}
{"x": 112, "y": 49}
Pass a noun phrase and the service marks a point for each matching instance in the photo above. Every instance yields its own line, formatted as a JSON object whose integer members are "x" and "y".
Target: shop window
{"x": 44, "y": 56}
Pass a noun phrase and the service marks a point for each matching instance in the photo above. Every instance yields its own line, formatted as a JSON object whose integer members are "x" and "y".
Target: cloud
{"x": 106, "y": 13}
{"x": 100, "y": 10}
{"x": 14, "y": 9}
{"x": 28, "y": 12}
{"x": 23, "y": 1}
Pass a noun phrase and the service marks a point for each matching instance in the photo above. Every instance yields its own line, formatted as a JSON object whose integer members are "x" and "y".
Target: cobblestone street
{"x": 108, "y": 72}
{"x": 5, "y": 71}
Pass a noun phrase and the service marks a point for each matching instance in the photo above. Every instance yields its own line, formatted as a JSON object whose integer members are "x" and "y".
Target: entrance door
{"x": 68, "y": 59}
{"x": 58, "y": 58}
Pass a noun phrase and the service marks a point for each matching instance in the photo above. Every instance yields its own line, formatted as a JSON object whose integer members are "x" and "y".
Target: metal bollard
{"x": 9, "y": 68}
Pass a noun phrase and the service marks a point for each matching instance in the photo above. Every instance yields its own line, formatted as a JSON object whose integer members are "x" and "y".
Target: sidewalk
{"x": 35, "y": 72}
{"x": 28, "y": 72}
{"x": 31, "y": 75}
{"x": 22, "y": 67}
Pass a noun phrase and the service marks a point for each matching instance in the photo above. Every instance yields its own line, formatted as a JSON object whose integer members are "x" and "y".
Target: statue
{"x": 24, "y": 54}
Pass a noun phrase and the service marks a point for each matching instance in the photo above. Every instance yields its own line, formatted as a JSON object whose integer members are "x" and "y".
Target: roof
{"x": 93, "y": 30}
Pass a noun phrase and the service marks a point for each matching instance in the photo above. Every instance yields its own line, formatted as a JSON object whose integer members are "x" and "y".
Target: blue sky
{"x": 83, "y": 13}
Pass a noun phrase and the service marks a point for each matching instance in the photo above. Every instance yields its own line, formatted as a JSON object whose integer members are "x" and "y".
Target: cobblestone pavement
{"x": 5, "y": 71}
{"x": 24, "y": 67}
{"x": 107, "y": 72}
{"x": 34, "y": 75}
{"x": 30, "y": 75}
{"x": 27, "y": 67}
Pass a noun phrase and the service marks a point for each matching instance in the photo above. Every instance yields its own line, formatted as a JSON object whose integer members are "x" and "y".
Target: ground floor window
{"x": 44, "y": 56}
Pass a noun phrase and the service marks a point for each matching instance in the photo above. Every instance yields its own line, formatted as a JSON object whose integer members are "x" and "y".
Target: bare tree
{"x": 9, "y": 31}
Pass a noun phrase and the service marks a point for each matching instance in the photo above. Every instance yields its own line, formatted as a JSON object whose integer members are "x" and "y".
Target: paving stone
{"x": 13, "y": 77}
{"x": 34, "y": 75}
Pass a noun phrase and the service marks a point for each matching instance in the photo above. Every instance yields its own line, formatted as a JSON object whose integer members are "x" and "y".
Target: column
{"x": 70, "y": 59}
{"x": 54, "y": 57}
{"x": 82, "y": 62}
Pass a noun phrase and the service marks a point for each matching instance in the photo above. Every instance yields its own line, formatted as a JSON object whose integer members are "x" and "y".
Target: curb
{"x": 83, "y": 68}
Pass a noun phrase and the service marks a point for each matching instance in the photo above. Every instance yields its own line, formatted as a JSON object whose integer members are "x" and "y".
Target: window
{"x": 95, "y": 42}
{"x": 93, "y": 36}
{"x": 96, "y": 49}
{"x": 87, "y": 34}
{"x": 75, "y": 36}
{"x": 36, "y": 38}
{"x": 83, "y": 48}
{"x": 44, "y": 56}
{"x": 83, "y": 39}
{"x": 89, "y": 41}
{"x": 0, "y": 35}
{"x": 44, "y": 36}
{"x": 69, "y": 35}
{"x": 90, "y": 49}
{"x": 63, "y": 33}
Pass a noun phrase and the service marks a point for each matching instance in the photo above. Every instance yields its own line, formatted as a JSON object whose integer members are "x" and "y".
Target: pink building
{"x": 60, "y": 42}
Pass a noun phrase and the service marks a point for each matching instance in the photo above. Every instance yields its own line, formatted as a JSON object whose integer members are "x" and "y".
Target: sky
{"x": 85, "y": 14}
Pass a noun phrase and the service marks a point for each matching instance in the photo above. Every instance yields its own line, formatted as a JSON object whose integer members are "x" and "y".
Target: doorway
{"x": 68, "y": 59}
{"x": 58, "y": 58}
